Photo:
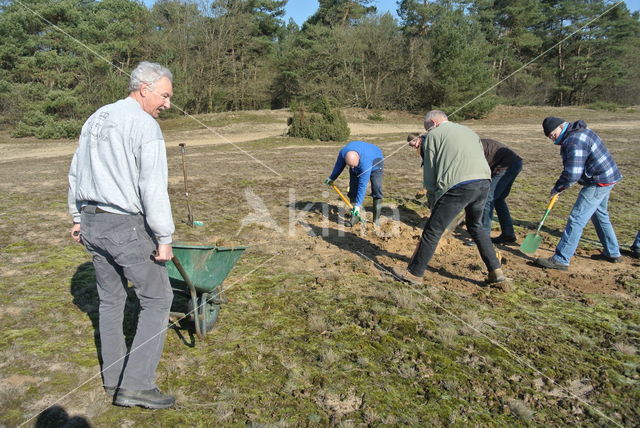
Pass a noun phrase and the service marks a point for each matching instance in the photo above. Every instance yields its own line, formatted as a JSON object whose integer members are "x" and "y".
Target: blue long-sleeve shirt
{"x": 370, "y": 160}
{"x": 585, "y": 158}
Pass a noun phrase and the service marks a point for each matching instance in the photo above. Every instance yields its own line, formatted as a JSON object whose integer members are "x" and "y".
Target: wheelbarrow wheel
{"x": 207, "y": 313}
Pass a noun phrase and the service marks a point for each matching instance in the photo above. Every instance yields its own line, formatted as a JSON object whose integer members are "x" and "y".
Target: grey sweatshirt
{"x": 121, "y": 164}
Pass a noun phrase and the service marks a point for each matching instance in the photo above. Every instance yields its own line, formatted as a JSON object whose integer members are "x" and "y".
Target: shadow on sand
{"x": 56, "y": 417}
{"x": 85, "y": 296}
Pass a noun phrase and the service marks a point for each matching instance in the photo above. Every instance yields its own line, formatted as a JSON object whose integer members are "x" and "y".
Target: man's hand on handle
{"x": 164, "y": 253}
{"x": 75, "y": 233}
{"x": 328, "y": 181}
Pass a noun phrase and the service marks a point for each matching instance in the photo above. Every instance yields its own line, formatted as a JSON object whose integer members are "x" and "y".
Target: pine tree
{"x": 341, "y": 12}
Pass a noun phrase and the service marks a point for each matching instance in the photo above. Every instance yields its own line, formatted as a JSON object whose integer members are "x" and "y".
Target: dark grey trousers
{"x": 471, "y": 197}
{"x": 121, "y": 246}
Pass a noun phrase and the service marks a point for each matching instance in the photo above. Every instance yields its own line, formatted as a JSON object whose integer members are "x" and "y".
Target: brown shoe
{"x": 404, "y": 275}
{"x": 495, "y": 276}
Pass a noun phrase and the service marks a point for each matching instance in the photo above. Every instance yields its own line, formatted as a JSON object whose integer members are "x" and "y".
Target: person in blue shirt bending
{"x": 366, "y": 163}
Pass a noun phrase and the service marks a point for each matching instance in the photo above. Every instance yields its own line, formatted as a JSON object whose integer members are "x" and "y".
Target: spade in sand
{"x": 533, "y": 240}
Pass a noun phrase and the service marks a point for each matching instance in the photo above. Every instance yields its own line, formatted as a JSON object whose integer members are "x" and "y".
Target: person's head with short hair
{"x": 552, "y": 127}
{"x": 434, "y": 118}
{"x": 149, "y": 73}
{"x": 352, "y": 158}
{"x": 414, "y": 139}
{"x": 412, "y": 136}
{"x": 152, "y": 86}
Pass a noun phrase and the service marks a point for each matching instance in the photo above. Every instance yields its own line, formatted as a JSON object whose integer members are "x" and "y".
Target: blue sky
{"x": 300, "y": 10}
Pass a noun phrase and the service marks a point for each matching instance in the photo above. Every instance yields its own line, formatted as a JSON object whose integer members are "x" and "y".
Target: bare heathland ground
{"x": 315, "y": 332}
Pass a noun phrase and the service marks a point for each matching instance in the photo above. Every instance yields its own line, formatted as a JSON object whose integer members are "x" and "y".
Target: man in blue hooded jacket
{"x": 366, "y": 162}
{"x": 586, "y": 161}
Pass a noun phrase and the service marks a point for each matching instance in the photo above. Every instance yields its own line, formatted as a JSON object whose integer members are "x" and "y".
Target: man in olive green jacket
{"x": 456, "y": 176}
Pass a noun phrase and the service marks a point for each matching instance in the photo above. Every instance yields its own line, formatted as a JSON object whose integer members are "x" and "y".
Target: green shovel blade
{"x": 531, "y": 243}
{"x": 533, "y": 240}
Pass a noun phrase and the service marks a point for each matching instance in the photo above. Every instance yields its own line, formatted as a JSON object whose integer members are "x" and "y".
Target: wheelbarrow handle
{"x": 192, "y": 292}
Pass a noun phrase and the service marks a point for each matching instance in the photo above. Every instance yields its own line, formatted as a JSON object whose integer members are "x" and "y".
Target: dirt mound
{"x": 331, "y": 248}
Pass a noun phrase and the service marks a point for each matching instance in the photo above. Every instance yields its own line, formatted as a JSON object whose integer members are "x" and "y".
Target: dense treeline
{"x": 60, "y": 59}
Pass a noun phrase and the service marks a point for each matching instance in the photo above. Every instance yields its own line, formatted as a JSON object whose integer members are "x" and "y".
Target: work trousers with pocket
{"x": 122, "y": 246}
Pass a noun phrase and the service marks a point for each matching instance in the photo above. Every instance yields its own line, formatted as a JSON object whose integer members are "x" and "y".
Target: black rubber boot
{"x": 377, "y": 209}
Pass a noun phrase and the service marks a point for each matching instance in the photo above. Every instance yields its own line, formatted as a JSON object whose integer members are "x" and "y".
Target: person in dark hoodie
{"x": 505, "y": 166}
{"x": 586, "y": 161}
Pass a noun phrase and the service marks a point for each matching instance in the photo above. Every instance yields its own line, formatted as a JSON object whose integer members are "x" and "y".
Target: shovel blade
{"x": 531, "y": 243}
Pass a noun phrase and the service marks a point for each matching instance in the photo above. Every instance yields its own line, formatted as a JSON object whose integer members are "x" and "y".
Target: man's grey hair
{"x": 435, "y": 113}
{"x": 149, "y": 73}
{"x": 432, "y": 115}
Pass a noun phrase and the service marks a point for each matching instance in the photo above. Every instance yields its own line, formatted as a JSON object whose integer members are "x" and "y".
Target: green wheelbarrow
{"x": 196, "y": 273}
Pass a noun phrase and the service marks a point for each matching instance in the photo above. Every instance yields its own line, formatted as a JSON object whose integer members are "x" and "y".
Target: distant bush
{"x": 478, "y": 109}
{"x": 23, "y": 130}
{"x": 48, "y": 129}
{"x": 319, "y": 122}
{"x": 53, "y": 115}
{"x": 604, "y": 105}
{"x": 376, "y": 117}
{"x": 61, "y": 104}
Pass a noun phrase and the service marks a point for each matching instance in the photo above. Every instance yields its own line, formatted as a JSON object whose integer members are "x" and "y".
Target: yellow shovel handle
{"x": 346, "y": 201}
{"x": 553, "y": 201}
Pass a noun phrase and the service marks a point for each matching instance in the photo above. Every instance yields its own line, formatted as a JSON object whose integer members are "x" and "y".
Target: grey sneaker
{"x": 405, "y": 276}
{"x": 150, "y": 399}
{"x": 550, "y": 263}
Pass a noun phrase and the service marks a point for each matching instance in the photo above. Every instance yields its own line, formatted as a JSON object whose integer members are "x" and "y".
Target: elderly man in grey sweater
{"x": 121, "y": 213}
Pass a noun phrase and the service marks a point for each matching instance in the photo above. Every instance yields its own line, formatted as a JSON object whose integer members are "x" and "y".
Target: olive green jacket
{"x": 452, "y": 154}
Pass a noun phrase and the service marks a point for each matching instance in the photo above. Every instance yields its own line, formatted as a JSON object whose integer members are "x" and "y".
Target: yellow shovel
{"x": 533, "y": 240}
{"x": 346, "y": 201}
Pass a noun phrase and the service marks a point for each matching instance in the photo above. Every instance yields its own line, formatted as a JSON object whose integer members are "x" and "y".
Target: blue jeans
{"x": 375, "y": 179}
{"x": 500, "y": 187}
{"x": 591, "y": 204}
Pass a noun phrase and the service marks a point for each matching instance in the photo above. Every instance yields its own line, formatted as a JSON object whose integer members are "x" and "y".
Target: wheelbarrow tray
{"x": 207, "y": 266}
{"x": 196, "y": 273}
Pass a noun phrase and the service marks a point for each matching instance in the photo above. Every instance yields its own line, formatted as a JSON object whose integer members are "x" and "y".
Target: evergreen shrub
{"x": 376, "y": 117}
{"x": 319, "y": 122}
